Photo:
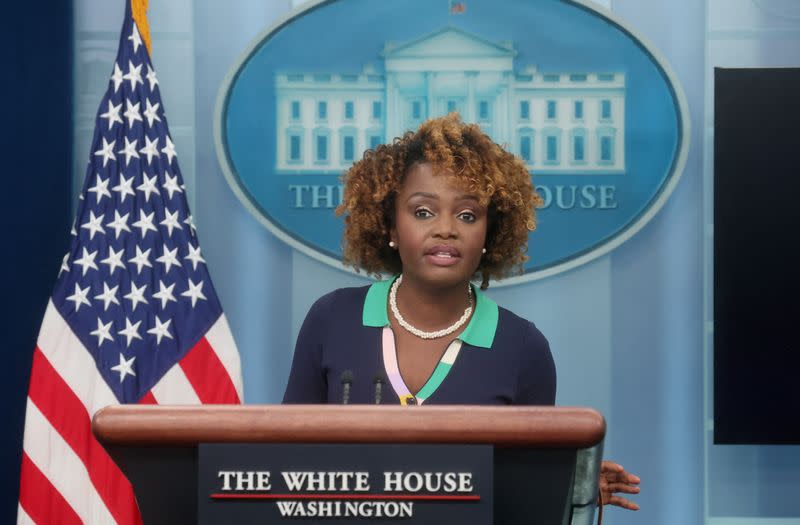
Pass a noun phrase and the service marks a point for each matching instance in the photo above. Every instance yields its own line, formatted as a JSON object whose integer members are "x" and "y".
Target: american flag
{"x": 133, "y": 317}
{"x": 457, "y": 7}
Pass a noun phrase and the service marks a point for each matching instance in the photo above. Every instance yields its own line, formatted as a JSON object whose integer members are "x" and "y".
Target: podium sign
{"x": 302, "y": 483}
{"x": 527, "y": 464}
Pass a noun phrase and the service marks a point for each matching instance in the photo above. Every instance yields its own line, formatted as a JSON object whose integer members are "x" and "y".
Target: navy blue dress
{"x": 498, "y": 359}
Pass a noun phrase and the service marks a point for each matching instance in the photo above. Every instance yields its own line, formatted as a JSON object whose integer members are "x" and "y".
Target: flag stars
{"x": 79, "y": 297}
{"x": 112, "y": 114}
{"x": 171, "y": 222}
{"x": 169, "y": 150}
{"x": 132, "y": 113}
{"x": 119, "y": 224}
{"x": 114, "y": 259}
{"x": 125, "y": 368}
{"x": 108, "y": 296}
{"x": 136, "y": 295}
{"x": 93, "y": 225}
{"x": 151, "y": 77}
{"x": 116, "y": 77}
{"x": 169, "y": 259}
{"x": 145, "y": 222}
{"x": 133, "y": 75}
{"x": 102, "y": 332}
{"x": 161, "y": 330}
{"x": 107, "y": 151}
{"x": 135, "y": 38}
{"x": 129, "y": 150}
{"x": 131, "y": 331}
{"x": 151, "y": 112}
{"x": 190, "y": 222}
{"x": 64, "y": 264}
{"x": 141, "y": 260}
{"x": 148, "y": 187}
{"x": 195, "y": 292}
{"x": 171, "y": 185}
{"x": 128, "y": 330}
{"x": 100, "y": 189}
{"x": 194, "y": 256}
{"x": 164, "y": 294}
{"x": 150, "y": 148}
{"x": 124, "y": 188}
{"x": 86, "y": 261}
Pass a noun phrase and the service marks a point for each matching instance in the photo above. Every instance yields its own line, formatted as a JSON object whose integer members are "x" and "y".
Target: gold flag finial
{"x": 139, "y": 10}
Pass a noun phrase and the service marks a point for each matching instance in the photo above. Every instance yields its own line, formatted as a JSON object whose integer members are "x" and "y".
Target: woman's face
{"x": 440, "y": 229}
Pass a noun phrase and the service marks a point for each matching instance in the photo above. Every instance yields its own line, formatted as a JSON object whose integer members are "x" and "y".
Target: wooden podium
{"x": 546, "y": 459}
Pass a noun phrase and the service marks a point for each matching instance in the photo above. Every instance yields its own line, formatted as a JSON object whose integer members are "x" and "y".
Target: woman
{"x": 436, "y": 208}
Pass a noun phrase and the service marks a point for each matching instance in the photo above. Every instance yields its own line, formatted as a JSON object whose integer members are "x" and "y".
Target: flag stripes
{"x": 175, "y": 389}
{"x": 24, "y": 519}
{"x": 67, "y": 354}
{"x": 220, "y": 337}
{"x": 65, "y": 412}
{"x": 207, "y": 375}
{"x": 51, "y": 507}
{"x": 62, "y": 468}
{"x": 148, "y": 399}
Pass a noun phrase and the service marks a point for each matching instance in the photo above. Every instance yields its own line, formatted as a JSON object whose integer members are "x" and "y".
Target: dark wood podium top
{"x": 539, "y": 427}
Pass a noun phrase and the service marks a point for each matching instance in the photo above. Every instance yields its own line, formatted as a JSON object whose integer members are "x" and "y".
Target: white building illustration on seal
{"x": 558, "y": 122}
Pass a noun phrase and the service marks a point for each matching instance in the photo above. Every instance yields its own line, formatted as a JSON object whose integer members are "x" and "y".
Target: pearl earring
{"x": 483, "y": 251}
{"x": 392, "y": 244}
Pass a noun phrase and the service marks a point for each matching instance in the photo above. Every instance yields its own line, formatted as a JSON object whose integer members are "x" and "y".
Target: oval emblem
{"x": 592, "y": 109}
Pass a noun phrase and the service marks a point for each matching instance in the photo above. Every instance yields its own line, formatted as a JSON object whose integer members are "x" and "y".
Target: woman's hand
{"x": 614, "y": 479}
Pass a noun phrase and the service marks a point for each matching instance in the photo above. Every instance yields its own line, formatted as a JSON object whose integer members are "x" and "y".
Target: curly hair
{"x": 498, "y": 178}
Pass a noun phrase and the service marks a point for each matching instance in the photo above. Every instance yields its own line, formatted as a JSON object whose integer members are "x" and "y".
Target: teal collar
{"x": 479, "y": 332}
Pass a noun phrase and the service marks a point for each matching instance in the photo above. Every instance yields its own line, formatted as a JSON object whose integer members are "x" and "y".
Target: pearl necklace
{"x": 416, "y": 331}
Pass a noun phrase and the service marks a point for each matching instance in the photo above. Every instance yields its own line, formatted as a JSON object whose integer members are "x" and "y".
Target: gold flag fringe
{"x": 139, "y": 9}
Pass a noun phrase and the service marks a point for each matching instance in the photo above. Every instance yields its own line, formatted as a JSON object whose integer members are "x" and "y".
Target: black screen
{"x": 756, "y": 261}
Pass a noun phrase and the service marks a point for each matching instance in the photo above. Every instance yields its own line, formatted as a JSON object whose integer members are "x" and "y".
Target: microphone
{"x": 347, "y": 382}
{"x": 379, "y": 380}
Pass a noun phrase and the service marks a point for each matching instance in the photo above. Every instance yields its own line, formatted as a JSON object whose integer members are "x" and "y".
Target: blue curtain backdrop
{"x": 36, "y": 139}
{"x": 631, "y": 331}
